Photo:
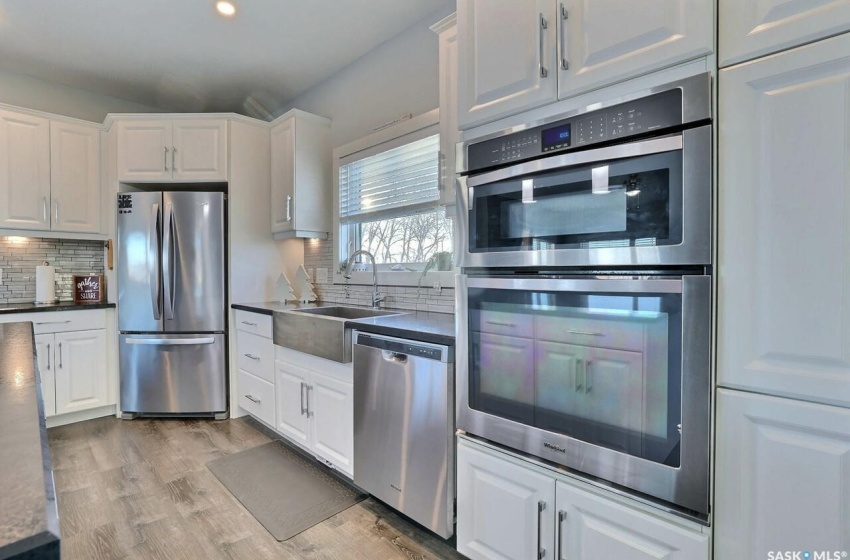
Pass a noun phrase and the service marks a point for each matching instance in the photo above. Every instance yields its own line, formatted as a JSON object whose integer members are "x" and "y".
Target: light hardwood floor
{"x": 140, "y": 489}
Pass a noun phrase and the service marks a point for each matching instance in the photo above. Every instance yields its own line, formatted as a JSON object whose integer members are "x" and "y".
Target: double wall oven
{"x": 585, "y": 299}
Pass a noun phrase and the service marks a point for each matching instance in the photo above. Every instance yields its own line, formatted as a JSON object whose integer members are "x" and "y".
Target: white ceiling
{"x": 181, "y": 55}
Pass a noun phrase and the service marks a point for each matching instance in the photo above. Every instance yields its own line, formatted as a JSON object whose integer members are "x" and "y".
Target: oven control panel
{"x": 656, "y": 112}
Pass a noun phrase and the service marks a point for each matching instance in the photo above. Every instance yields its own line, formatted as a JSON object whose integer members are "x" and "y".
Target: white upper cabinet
{"x": 750, "y": 29}
{"x": 784, "y": 210}
{"x": 179, "y": 150}
{"x": 516, "y": 55}
{"x": 301, "y": 176}
{"x": 449, "y": 135}
{"x": 591, "y": 527}
{"x": 782, "y": 470}
{"x": 24, "y": 171}
{"x": 506, "y": 58}
{"x": 606, "y": 41}
{"x": 75, "y": 177}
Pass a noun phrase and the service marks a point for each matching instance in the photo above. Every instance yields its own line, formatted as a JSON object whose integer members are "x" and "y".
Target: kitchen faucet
{"x": 376, "y": 299}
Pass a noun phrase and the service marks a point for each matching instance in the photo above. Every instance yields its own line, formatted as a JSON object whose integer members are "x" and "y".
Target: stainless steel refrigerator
{"x": 171, "y": 303}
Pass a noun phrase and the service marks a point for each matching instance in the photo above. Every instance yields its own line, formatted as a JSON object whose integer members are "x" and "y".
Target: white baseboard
{"x": 80, "y": 416}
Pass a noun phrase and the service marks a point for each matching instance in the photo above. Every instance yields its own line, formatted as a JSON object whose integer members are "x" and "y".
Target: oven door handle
{"x": 596, "y": 286}
{"x": 621, "y": 151}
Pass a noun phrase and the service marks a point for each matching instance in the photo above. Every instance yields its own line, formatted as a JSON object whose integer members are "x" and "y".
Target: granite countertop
{"x": 29, "y": 522}
{"x": 58, "y": 306}
{"x": 425, "y": 326}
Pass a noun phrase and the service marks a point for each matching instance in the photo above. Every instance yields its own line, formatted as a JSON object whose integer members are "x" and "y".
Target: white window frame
{"x": 422, "y": 126}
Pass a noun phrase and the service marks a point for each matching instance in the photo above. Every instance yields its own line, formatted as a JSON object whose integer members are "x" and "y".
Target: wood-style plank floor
{"x": 140, "y": 489}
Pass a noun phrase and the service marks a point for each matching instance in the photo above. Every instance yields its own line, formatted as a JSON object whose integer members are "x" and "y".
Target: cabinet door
{"x": 24, "y": 171}
{"x": 606, "y": 41}
{"x": 283, "y": 175}
{"x": 591, "y": 527}
{"x": 44, "y": 346}
{"x": 784, "y": 207}
{"x": 449, "y": 136}
{"x": 506, "y": 58}
{"x": 782, "y": 468}
{"x": 291, "y": 384}
{"x": 613, "y": 388}
{"x": 144, "y": 151}
{"x": 752, "y": 29}
{"x": 75, "y": 177}
{"x": 199, "y": 150}
{"x": 331, "y": 408}
{"x": 504, "y": 511}
{"x": 81, "y": 381}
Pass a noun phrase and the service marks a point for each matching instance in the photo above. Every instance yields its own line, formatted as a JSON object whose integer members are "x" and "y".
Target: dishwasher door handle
{"x": 390, "y": 356}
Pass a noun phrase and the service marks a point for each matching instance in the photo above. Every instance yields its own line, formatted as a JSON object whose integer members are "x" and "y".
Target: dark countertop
{"x": 436, "y": 328}
{"x": 29, "y": 522}
{"x": 58, "y": 306}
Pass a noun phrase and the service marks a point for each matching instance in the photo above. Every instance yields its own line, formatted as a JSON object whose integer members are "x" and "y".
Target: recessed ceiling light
{"x": 225, "y": 8}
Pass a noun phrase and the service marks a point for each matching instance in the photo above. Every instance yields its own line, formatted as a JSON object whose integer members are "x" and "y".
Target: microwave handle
{"x": 610, "y": 153}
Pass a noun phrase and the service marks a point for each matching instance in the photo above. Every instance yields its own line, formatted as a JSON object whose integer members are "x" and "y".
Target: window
{"x": 388, "y": 204}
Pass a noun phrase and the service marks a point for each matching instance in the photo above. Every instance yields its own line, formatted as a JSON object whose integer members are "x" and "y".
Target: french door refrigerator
{"x": 171, "y": 303}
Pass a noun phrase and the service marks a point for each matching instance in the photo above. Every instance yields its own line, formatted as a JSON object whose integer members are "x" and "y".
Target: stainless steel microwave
{"x": 621, "y": 184}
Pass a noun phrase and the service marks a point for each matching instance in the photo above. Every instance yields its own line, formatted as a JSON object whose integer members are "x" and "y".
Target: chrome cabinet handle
{"x": 578, "y": 383}
{"x": 587, "y": 376}
{"x": 253, "y": 357}
{"x": 60, "y": 355}
{"x": 544, "y": 25}
{"x": 249, "y": 324}
{"x": 252, "y": 399}
{"x": 173, "y": 154}
{"x": 307, "y": 399}
{"x": 56, "y": 209}
{"x": 48, "y": 357}
{"x": 559, "y": 554}
{"x": 565, "y": 15}
{"x": 586, "y": 333}
{"x": 53, "y": 322}
{"x": 303, "y": 407}
{"x": 44, "y": 209}
{"x": 165, "y": 158}
{"x": 500, "y": 324}
{"x": 541, "y": 552}
{"x": 288, "y": 208}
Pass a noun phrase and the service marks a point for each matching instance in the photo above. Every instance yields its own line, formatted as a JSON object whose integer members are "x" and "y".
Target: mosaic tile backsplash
{"x": 20, "y": 255}
{"x": 318, "y": 253}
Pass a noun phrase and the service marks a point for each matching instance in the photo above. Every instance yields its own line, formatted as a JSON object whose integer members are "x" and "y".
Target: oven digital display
{"x": 556, "y": 138}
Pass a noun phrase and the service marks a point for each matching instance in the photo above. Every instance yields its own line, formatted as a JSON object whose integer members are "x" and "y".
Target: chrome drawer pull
{"x": 586, "y": 333}
{"x": 252, "y": 399}
{"x": 253, "y": 357}
{"x": 53, "y": 322}
{"x": 249, "y": 324}
{"x": 500, "y": 324}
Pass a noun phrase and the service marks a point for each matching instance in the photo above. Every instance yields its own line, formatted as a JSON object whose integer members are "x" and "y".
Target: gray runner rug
{"x": 285, "y": 491}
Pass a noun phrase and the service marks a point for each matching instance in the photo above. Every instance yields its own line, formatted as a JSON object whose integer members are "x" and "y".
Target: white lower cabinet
{"x": 315, "y": 407}
{"x": 257, "y": 397}
{"x": 783, "y": 468}
{"x": 508, "y": 509}
{"x": 80, "y": 362}
{"x": 44, "y": 345}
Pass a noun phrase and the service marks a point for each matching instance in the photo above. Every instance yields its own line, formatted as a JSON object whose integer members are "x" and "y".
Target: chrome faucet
{"x": 376, "y": 299}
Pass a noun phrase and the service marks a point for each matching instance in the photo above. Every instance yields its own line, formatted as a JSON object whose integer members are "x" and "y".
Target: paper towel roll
{"x": 45, "y": 284}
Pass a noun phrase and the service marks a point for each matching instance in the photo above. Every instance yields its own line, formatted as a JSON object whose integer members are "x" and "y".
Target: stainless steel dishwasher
{"x": 404, "y": 425}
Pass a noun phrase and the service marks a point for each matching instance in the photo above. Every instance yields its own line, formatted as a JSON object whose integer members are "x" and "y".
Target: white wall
{"x": 33, "y": 93}
{"x": 399, "y": 76}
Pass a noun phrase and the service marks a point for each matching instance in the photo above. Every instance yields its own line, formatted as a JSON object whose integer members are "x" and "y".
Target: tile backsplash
{"x": 318, "y": 253}
{"x": 20, "y": 255}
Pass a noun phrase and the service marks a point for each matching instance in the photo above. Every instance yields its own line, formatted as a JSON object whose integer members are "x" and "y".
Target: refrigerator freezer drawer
{"x": 173, "y": 374}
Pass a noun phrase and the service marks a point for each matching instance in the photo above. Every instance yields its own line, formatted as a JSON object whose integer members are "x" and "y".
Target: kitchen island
{"x": 29, "y": 522}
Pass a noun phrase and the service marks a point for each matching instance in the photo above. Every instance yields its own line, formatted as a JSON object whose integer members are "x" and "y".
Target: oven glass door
{"x": 638, "y": 203}
{"x": 600, "y": 366}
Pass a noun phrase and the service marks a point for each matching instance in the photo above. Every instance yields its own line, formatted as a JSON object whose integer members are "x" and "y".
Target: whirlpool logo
{"x": 807, "y": 555}
{"x": 554, "y": 447}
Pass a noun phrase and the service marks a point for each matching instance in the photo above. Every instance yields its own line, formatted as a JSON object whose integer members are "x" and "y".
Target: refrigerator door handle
{"x": 153, "y": 257}
{"x": 170, "y": 341}
{"x": 168, "y": 266}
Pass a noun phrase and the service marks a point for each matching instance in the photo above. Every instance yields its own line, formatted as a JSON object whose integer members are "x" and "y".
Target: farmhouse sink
{"x": 321, "y": 331}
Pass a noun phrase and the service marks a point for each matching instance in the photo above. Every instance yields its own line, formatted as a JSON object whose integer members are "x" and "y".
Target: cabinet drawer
{"x": 598, "y": 333}
{"x": 65, "y": 321}
{"x": 257, "y": 397}
{"x": 502, "y": 322}
{"x": 254, "y": 323}
{"x": 256, "y": 355}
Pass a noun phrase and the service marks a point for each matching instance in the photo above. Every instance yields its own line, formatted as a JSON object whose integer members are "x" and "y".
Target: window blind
{"x": 391, "y": 183}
